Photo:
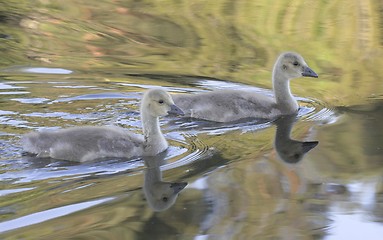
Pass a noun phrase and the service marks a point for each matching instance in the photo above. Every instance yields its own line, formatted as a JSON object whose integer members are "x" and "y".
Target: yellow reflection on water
{"x": 228, "y": 40}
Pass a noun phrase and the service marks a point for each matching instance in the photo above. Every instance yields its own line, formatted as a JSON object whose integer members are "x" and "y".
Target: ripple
{"x": 46, "y": 215}
{"x": 75, "y": 87}
{"x": 62, "y": 115}
{"x": 2, "y": 112}
{"x": 36, "y": 169}
{"x": 197, "y": 150}
{"x": 4, "y": 86}
{"x": 210, "y": 84}
{"x": 6, "y": 120}
{"x": 169, "y": 89}
{"x": 15, "y": 190}
{"x": 97, "y": 96}
{"x": 14, "y": 93}
{"x": 42, "y": 70}
{"x": 325, "y": 116}
{"x": 319, "y": 112}
{"x": 30, "y": 100}
{"x": 194, "y": 126}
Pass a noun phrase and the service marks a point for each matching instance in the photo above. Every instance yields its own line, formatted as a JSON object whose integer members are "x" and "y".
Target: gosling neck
{"x": 154, "y": 141}
{"x": 284, "y": 99}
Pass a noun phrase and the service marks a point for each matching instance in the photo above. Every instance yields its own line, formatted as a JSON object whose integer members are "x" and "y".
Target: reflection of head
{"x": 289, "y": 150}
{"x": 162, "y": 195}
{"x": 293, "y": 151}
{"x": 159, "y": 195}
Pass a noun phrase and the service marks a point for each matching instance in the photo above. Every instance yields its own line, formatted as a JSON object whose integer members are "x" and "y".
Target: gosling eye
{"x": 296, "y": 63}
{"x": 160, "y": 101}
{"x": 165, "y": 199}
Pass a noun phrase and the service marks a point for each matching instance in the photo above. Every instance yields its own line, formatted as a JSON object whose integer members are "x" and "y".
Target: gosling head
{"x": 292, "y": 65}
{"x": 158, "y": 102}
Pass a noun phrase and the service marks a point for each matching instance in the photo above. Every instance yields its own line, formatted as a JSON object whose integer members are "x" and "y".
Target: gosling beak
{"x": 175, "y": 110}
{"x": 177, "y": 187}
{"x": 307, "y": 146}
{"x": 308, "y": 72}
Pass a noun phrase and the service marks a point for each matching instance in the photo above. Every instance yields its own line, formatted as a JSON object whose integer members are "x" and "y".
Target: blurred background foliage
{"x": 232, "y": 40}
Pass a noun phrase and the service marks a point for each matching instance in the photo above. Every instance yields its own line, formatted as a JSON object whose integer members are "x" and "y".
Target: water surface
{"x": 79, "y": 63}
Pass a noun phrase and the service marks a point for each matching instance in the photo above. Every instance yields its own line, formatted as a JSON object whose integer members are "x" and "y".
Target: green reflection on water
{"x": 221, "y": 39}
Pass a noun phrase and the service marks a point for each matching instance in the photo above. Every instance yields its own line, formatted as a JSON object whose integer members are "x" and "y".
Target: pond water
{"x": 78, "y": 62}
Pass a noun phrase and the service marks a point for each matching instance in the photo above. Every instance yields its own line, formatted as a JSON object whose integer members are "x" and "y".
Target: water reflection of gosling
{"x": 92, "y": 142}
{"x": 159, "y": 195}
{"x": 289, "y": 150}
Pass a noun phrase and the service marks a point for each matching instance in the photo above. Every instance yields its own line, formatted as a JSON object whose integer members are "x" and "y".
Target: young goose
{"x": 232, "y": 105}
{"x": 91, "y": 142}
